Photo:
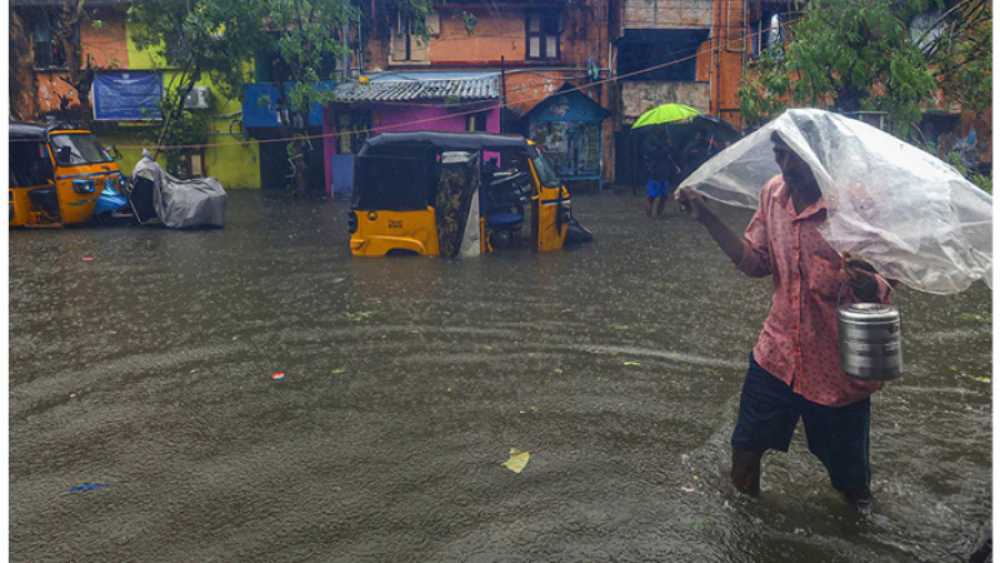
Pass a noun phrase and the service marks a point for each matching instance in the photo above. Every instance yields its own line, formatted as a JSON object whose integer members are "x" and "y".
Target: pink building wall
{"x": 399, "y": 119}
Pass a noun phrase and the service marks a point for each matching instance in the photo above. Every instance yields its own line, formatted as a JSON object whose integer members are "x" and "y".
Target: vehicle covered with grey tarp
{"x": 179, "y": 204}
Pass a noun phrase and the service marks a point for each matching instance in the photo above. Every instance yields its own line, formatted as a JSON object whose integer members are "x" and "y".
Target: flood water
{"x": 617, "y": 365}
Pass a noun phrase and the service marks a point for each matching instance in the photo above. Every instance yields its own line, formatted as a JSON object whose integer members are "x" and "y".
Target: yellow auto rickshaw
{"x": 57, "y": 174}
{"x": 457, "y": 194}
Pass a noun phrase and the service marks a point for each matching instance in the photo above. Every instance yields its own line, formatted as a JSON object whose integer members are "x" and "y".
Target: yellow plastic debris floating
{"x": 517, "y": 461}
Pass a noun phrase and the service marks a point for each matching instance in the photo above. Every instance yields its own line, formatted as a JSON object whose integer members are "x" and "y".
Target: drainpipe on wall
{"x": 503, "y": 81}
{"x": 344, "y": 31}
{"x": 361, "y": 48}
{"x": 716, "y": 24}
{"x": 503, "y": 92}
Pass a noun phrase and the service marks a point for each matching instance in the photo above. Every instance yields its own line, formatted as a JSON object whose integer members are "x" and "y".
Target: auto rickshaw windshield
{"x": 546, "y": 173}
{"x": 77, "y": 148}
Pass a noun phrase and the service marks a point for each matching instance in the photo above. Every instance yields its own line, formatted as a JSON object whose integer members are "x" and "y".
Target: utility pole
{"x": 503, "y": 90}
{"x": 503, "y": 82}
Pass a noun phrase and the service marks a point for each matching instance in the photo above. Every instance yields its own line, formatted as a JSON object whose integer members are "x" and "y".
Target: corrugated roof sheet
{"x": 393, "y": 90}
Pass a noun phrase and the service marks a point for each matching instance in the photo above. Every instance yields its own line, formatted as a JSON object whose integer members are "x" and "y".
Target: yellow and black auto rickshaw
{"x": 57, "y": 174}
{"x": 457, "y": 194}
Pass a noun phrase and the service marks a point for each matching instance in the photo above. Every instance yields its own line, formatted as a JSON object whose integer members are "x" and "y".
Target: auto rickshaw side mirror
{"x": 112, "y": 152}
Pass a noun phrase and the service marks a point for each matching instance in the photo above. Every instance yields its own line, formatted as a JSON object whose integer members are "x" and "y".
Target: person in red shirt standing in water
{"x": 795, "y": 366}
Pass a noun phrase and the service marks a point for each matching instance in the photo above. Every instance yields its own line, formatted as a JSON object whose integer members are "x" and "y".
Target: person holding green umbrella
{"x": 658, "y": 152}
{"x": 661, "y": 172}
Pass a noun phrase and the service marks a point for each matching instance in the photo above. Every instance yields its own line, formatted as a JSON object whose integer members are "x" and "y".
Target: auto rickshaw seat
{"x": 142, "y": 199}
{"x": 504, "y": 220}
{"x": 45, "y": 199}
{"x": 507, "y": 190}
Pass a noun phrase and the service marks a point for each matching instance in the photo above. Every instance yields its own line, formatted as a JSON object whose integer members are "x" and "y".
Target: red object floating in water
{"x": 88, "y": 258}
{"x": 278, "y": 376}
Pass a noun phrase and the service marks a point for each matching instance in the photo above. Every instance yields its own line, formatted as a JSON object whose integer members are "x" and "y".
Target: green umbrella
{"x": 665, "y": 113}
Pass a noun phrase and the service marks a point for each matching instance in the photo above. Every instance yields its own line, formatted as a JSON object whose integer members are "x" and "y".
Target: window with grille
{"x": 49, "y": 52}
{"x": 542, "y": 34}
{"x": 476, "y": 122}
{"x": 408, "y": 43}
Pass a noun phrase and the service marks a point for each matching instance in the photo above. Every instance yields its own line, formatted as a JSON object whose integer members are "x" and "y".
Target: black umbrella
{"x": 680, "y": 141}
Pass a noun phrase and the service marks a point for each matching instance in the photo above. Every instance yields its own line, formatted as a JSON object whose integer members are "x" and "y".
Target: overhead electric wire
{"x": 387, "y": 128}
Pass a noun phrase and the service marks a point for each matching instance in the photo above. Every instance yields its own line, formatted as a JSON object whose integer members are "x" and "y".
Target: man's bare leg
{"x": 860, "y": 499}
{"x": 746, "y": 471}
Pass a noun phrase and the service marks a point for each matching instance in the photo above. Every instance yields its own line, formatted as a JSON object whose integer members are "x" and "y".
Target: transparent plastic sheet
{"x": 913, "y": 217}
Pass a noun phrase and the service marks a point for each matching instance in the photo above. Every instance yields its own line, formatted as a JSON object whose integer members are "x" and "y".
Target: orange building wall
{"x": 495, "y": 35}
{"x": 106, "y": 47}
{"x": 50, "y": 87}
{"x": 703, "y": 62}
{"x": 500, "y": 32}
{"x": 524, "y": 90}
{"x": 726, "y": 67}
{"x": 585, "y": 33}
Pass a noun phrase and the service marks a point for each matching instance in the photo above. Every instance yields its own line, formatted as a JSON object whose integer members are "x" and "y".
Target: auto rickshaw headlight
{"x": 352, "y": 222}
{"x": 81, "y": 186}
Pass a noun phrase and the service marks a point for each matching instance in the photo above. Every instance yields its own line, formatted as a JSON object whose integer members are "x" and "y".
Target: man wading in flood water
{"x": 795, "y": 366}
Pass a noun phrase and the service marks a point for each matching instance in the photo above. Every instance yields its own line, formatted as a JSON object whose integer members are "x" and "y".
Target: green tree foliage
{"x": 310, "y": 36}
{"x": 196, "y": 38}
{"x": 200, "y": 37}
{"x": 221, "y": 37}
{"x": 188, "y": 128}
{"x": 849, "y": 55}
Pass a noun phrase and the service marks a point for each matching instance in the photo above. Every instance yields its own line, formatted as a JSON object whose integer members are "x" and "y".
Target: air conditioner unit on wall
{"x": 200, "y": 97}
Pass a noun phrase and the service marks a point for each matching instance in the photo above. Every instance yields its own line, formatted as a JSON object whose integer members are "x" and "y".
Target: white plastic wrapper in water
{"x": 913, "y": 217}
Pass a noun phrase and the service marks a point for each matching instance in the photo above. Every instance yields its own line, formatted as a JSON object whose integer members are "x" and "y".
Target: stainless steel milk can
{"x": 871, "y": 347}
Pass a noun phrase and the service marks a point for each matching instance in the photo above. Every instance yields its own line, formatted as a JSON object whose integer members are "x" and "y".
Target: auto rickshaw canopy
{"x": 400, "y": 171}
{"x": 24, "y": 131}
{"x": 27, "y": 131}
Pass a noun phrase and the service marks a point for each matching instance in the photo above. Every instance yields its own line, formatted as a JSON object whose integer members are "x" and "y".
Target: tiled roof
{"x": 395, "y": 89}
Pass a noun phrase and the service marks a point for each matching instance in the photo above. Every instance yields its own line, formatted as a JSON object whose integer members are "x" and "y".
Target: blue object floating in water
{"x": 109, "y": 200}
{"x": 83, "y": 487}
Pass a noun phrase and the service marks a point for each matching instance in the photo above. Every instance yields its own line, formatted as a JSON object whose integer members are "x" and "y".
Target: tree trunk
{"x": 78, "y": 75}
{"x": 175, "y": 112}
{"x": 301, "y": 159}
{"x": 23, "y": 98}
